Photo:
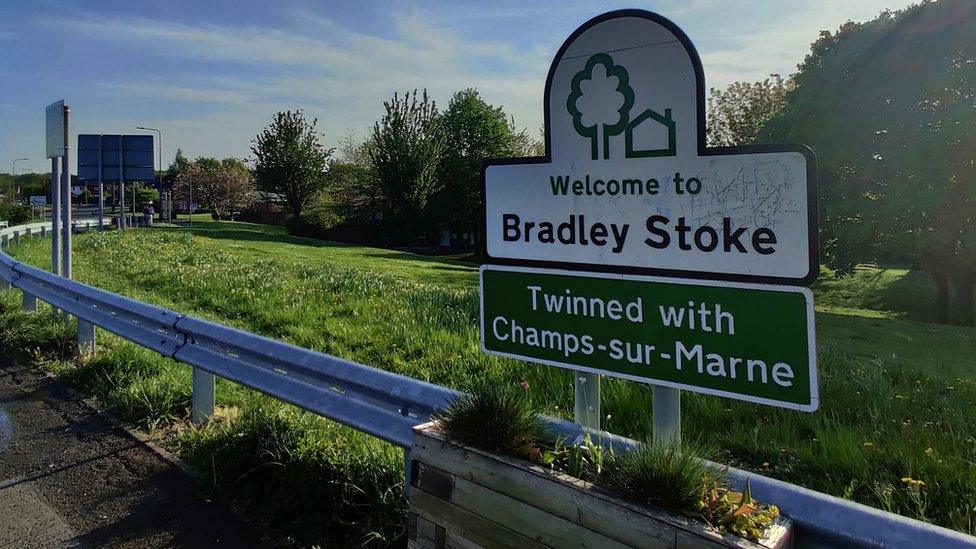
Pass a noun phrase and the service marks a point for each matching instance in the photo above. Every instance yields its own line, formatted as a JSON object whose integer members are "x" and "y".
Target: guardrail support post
{"x": 86, "y": 337}
{"x": 30, "y": 303}
{"x": 44, "y": 231}
{"x": 587, "y": 410}
{"x": 203, "y": 396}
{"x": 666, "y": 408}
{"x": 4, "y": 241}
{"x": 17, "y": 237}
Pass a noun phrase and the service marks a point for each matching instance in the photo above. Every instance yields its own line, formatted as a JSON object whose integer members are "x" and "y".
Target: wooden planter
{"x": 463, "y": 497}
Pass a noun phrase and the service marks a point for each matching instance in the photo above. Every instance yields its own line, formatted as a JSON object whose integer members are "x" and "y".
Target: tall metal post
{"x": 101, "y": 189}
{"x": 159, "y": 174}
{"x": 666, "y": 407}
{"x": 56, "y": 215}
{"x": 587, "y": 409}
{"x": 202, "y": 399}
{"x": 14, "y": 188}
{"x": 121, "y": 197}
{"x": 66, "y": 198}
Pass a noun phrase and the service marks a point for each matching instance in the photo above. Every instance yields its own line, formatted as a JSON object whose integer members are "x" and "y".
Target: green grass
{"x": 310, "y": 481}
{"x": 897, "y": 394}
{"x": 882, "y": 292}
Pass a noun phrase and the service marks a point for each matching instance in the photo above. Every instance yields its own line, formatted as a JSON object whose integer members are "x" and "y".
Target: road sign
{"x": 35, "y": 200}
{"x": 743, "y": 341}
{"x": 54, "y": 124}
{"x": 99, "y": 158}
{"x": 627, "y": 183}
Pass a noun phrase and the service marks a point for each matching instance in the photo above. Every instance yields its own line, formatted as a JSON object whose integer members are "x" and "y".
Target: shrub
{"x": 15, "y": 214}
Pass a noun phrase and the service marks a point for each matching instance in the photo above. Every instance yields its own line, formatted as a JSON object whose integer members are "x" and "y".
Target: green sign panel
{"x": 735, "y": 340}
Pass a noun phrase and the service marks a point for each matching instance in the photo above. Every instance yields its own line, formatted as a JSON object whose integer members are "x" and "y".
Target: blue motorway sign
{"x": 115, "y": 157}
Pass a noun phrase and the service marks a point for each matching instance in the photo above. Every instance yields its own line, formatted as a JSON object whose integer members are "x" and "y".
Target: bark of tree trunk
{"x": 964, "y": 284}
{"x": 938, "y": 268}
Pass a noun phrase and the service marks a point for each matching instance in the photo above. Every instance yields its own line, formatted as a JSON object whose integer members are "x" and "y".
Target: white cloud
{"x": 342, "y": 76}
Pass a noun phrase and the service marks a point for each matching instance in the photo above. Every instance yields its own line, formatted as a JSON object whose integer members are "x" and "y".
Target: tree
{"x": 889, "y": 106}
{"x": 142, "y": 193}
{"x": 290, "y": 159}
{"x": 406, "y": 147}
{"x": 180, "y": 163}
{"x": 23, "y": 185}
{"x": 224, "y": 187}
{"x": 351, "y": 197}
{"x": 737, "y": 114}
{"x": 474, "y": 132}
{"x": 600, "y": 96}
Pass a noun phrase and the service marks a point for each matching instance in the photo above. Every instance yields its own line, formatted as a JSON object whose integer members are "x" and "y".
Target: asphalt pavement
{"x": 70, "y": 477}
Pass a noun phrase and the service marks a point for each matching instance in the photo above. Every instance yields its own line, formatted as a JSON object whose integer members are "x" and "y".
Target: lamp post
{"x": 13, "y": 176}
{"x": 159, "y": 185}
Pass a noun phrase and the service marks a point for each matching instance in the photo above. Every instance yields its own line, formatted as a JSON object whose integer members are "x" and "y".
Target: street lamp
{"x": 159, "y": 185}
{"x": 13, "y": 175}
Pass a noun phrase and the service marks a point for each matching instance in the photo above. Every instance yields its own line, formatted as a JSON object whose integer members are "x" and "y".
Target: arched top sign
{"x": 627, "y": 183}
{"x": 627, "y": 84}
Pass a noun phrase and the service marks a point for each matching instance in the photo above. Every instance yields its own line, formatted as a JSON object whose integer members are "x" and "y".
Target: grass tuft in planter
{"x": 665, "y": 477}
{"x": 496, "y": 418}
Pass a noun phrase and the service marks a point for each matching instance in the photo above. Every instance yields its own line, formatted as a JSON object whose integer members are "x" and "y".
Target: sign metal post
{"x": 628, "y": 192}
{"x": 56, "y": 215}
{"x": 55, "y": 135}
{"x": 666, "y": 408}
{"x": 101, "y": 187}
{"x": 66, "y": 199}
{"x": 121, "y": 198}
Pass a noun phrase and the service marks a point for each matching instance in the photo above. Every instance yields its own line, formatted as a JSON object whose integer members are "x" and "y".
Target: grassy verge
{"x": 896, "y": 393}
{"x": 311, "y": 482}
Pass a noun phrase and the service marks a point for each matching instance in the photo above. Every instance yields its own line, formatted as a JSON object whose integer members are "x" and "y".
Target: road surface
{"x": 70, "y": 478}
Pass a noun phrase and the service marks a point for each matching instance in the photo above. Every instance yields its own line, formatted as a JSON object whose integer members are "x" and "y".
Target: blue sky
{"x": 210, "y": 74}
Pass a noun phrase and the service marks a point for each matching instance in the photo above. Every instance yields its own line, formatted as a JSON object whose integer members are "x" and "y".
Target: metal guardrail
{"x": 374, "y": 401}
{"x": 388, "y": 405}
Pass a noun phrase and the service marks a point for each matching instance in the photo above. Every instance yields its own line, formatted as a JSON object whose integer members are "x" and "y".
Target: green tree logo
{"x": 600, "y": 101}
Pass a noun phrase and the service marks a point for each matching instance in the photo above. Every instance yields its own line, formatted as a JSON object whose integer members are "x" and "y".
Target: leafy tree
{"x": 406, "y": 147}
{"x": 23, "y": 185}
{"x": 179, "y": 164}
{"x": 600, "y": 97}
{"x": 351, "y": 197}
{"x": 224, "y": 187}
{"x": 290, "y": 159}
{"x": 889, "y": 107}
{"x": 475, "y": 132}
{"x": 14, "y": 214}
{"x": 143, "y": 193}
{"x": 737, "y": 114}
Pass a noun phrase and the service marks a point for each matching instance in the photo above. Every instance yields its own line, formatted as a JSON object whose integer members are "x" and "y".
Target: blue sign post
{"x": 120, "y": 158}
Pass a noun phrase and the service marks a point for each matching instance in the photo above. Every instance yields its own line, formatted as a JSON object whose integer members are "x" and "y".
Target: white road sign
{"x": 54, "y": 138}
{"x": 627, "y": 182}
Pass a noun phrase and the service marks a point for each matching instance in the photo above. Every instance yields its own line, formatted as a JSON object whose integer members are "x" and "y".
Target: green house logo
{"x": 600, "y": 101}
